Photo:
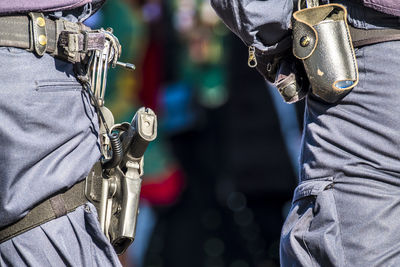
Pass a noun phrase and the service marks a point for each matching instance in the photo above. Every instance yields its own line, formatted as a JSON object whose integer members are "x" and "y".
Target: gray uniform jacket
{"x": 265, "y": 24}
{"x": 20, "y": 6}
{"x": 24, "y": 6}
{"x": 248, "y": 20}
{"x": 346, "y": 208}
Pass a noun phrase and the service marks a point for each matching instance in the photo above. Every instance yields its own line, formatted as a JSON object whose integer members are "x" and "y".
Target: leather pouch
{"x": 321, "y": 39}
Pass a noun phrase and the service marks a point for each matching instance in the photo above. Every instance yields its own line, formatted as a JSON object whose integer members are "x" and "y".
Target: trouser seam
{"x": 340, "y": 229}
{"x": 304, "y": 241}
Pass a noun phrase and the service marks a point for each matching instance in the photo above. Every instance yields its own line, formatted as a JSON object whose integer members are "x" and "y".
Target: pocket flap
{"x": 305, "y": 39}
{"x": 311, "y": 188}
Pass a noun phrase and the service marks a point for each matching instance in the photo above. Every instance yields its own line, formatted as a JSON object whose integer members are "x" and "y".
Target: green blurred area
{"x": 196, "y": 57}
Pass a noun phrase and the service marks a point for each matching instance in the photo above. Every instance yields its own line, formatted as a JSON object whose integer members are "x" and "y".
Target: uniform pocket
{"x": 58, "y": 86}
{"x": 311, "y": 234}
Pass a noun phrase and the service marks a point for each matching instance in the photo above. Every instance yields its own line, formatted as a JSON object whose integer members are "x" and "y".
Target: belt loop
{"x": 58, "y": 205}
{"x": 38, "y": 33}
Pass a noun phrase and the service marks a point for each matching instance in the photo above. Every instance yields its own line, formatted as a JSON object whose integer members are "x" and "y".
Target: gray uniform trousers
{"x": 346, "y": 209}
{"x": 71, "y": 240}
{"x": 49, "y": 142}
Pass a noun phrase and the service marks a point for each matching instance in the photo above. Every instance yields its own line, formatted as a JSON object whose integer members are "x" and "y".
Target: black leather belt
{"x": 60, "y": 38}
{"x": 361, "y": 37}
{"x": 48, "y": 210}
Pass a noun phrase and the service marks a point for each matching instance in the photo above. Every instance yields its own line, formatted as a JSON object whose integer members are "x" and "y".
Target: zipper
{"x": 252, "y": 61}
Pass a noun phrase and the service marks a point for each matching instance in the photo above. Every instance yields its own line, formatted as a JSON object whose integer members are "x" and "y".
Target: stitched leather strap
{"x": 60, "y": 38}
{"x": 38, "y": 33}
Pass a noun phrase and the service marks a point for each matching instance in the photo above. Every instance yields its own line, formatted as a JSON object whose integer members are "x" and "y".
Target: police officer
{"x": 49, "y": 142}
{"x": 346, "y": 208}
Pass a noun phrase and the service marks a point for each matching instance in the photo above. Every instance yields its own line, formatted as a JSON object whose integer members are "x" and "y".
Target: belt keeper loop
{"x": 85, "y": 41}
{"x": 38, "y": 33}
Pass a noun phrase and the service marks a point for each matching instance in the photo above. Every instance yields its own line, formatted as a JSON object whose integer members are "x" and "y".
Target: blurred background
{"x": 219, "y": 178}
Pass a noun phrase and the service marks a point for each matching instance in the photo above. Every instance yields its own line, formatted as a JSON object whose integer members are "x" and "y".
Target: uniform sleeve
{"x": 22, "y": 6}
{"x": 263, "y": 24}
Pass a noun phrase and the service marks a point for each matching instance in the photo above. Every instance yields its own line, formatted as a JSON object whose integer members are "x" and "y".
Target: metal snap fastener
{"x": 305, "y": 41}
{"x": 40, "y": 22}
{"x": 42, "y": 40}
